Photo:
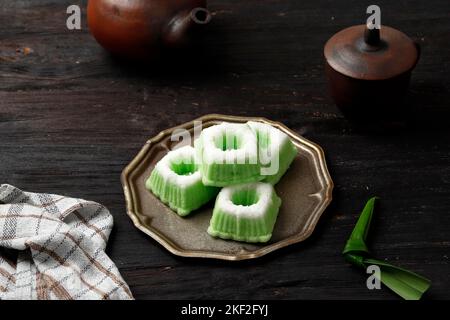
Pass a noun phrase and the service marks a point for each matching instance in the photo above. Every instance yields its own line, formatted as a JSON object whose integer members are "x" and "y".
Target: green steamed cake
{"x": 177, "y": 182}
{"x": 245, "y": 212}
{"x": 228, "y": 155}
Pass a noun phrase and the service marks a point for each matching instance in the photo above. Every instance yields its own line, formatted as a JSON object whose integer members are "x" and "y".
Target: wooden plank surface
{"x": 71, "y": 118}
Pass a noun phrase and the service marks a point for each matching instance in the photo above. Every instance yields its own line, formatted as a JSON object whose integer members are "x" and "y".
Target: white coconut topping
{"x": 182, "y": 155}
{"x": 264, "y": 192}
{"x": 245, "y": 152}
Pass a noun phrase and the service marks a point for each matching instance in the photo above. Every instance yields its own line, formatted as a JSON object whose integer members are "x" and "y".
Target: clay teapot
{"x": 369, "y": 71}
{"x": 140, "y": 29}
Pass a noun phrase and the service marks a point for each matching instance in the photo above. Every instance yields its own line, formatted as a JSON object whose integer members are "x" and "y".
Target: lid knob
{"x": 372, "y": 36}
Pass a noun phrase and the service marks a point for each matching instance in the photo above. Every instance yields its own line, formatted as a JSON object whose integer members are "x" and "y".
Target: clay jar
{"x": 369, "y": 71}
{"x": 141, "y": 29}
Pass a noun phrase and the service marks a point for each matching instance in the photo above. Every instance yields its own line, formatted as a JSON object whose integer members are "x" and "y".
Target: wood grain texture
{"x": 71, "y": 118}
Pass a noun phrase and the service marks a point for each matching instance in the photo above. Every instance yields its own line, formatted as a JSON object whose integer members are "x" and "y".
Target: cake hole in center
{"x": 183, "y": 168}
{"x": 228, "y": 141}
{"x": 245, "y": 198}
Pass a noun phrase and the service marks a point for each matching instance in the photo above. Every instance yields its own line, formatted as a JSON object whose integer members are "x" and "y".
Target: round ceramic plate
{"x": 306, "y": 190}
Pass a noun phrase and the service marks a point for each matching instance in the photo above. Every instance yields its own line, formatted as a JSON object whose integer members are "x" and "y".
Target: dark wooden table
{"x": 71, "y": 118}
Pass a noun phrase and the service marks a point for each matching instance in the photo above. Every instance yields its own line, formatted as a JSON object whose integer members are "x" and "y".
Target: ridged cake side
{"x": 287, "y": 155}
{"x": 276, "y": 151}
{"x": 222, "y": 175}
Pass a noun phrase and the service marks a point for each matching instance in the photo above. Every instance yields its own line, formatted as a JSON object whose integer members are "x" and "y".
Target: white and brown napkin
{"x": 52, "y": 247}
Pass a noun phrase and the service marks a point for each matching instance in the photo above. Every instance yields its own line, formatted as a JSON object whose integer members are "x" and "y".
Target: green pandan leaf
{"x": 401, "y": 288}
{"x": 357, "y": 241}
{"x": 407, "y": 284}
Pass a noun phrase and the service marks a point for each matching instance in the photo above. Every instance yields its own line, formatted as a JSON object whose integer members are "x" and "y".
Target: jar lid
{"x": 371, "y": 54}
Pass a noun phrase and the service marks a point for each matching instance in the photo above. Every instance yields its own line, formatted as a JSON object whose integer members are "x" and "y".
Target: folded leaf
{"x": 357, "y": 241}
{"x": 407, "y": 284}
{"x": 356, "y": 260}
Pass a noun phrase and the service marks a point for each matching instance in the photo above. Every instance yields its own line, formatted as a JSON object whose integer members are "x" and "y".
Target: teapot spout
{"x": 182, "y": 27}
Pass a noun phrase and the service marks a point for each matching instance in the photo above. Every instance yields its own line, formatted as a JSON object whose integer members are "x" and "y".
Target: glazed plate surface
{"x": 306, "y": 190}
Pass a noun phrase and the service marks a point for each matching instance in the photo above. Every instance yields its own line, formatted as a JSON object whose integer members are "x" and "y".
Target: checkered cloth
{"x": 52, "y": 247}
